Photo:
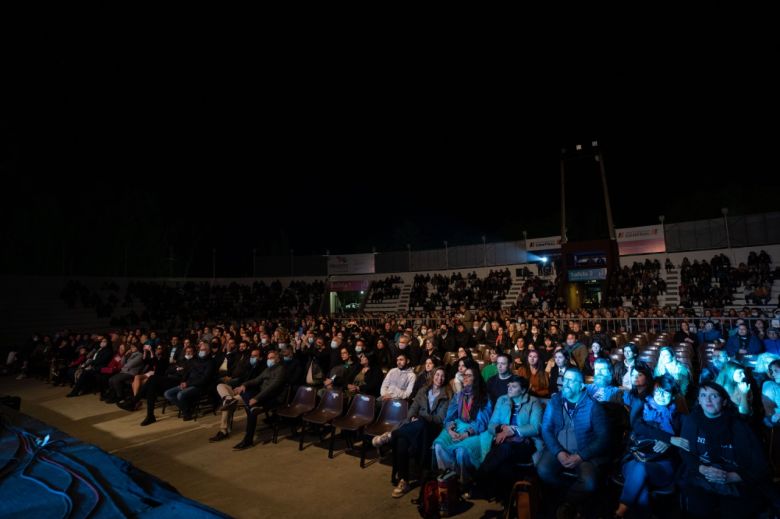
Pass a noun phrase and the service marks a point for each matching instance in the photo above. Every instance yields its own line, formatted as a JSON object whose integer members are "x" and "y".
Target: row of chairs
{"x": 359, "y": 418}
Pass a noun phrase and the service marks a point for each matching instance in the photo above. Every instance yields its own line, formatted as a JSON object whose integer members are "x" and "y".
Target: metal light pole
{"x": 725, "y": 211}
{"x": 663, "y": 229}
{"x": 446, "y": 256}
{"x": 484, "y": 251}
{"x": 409, "y": 249}
{"x": 607, "y": 204}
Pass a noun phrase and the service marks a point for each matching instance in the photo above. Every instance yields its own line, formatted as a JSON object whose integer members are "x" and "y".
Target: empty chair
{"x": 360, "y": 414}
{"x": 303, "y": 402}
{"x": 331, "y": 406}
{"x": 392, "y": 414}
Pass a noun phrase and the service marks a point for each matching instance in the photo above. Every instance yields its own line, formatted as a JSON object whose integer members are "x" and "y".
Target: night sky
{"x": 195, "y": 149}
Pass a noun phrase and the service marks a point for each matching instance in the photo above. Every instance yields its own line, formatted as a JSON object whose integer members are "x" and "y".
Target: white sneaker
{"x": 380, "y": 440}
{"x": 402, "y": 488}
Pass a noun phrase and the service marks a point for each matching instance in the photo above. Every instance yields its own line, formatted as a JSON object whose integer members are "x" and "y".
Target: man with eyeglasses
{"x": 576, "y": 436}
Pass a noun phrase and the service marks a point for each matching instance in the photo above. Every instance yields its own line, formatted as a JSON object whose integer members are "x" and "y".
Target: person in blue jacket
{"x": 576, "y": 437}
{"x": 743, "y": 343}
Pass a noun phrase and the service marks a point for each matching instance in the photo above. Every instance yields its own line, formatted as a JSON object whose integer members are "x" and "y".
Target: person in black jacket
{"x": 261, "y": 392}
{"x": 725, "y": 470}
{"x": 368, "y": 380}
{"x": 198, "y": 378}
{"x": 95, "y": 361}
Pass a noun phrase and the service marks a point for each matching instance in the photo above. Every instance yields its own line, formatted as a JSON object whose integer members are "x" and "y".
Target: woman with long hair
{"x": 733, "y": 379}
{"x": 423, "y": 423}
{"x": 668, "y": 364}
{"x": 458, "y": 445}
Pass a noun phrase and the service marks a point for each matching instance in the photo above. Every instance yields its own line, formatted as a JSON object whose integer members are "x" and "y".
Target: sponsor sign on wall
{"x": 548, "y": 243}
{"x": 641, "y": 240}
{"x": 351, "y": 264}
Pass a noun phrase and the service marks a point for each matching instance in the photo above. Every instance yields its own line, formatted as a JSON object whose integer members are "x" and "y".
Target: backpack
{"x": 428, "y": 504}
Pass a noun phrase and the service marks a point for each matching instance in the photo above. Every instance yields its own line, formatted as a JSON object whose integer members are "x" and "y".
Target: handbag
{"x": 722, "y": 489}
{"x": 642, "y": 449}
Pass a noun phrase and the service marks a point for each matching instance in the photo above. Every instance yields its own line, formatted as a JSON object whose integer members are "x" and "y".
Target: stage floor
{"x": 265, "y": 481}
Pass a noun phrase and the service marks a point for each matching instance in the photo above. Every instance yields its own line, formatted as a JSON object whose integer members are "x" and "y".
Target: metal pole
{"x": 409, "y": 248}
{"x": 484, "y": 251}
{"x": 725, "y": 211}
{"x": 607, "y": 205}
{"x": 564, "y": 239}
{"x": 446, "y": 256}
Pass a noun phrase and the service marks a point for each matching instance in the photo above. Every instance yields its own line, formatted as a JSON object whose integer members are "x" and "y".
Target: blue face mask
{"x": 311, "y": 340}
{"x": 253, "y": 361}
{"x": 202, "y": 354}
{"x": 287, "y": 359}
{"x": 358, "y": 349}
{"x": 270, "y": 363}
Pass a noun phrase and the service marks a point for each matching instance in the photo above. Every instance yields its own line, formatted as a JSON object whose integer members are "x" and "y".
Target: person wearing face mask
{"x": 406, "y": 347}
{"x": 293, "y": 369}
{"x": 262, "y": 392}
{"x": 158, "y": 384}
{"x": 335, "y": 350}
{"x": 368, "y": 380}
{"x": 476, "y": 334}
{"x": 229, "y": 397}
{"x": 341, "y": 374}
{"x": 201, "y": 373}
{"x": 656, "y": 424}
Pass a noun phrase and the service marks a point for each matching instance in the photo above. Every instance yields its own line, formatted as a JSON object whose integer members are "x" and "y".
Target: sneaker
{"x": 219, "y": 437}
{"x": 380, "y": 440}
{"x": 402, "y": 488}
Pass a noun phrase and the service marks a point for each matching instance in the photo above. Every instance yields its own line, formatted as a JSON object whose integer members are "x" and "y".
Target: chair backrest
{"x": 332, "y": 401}
{"x": 393, "y": 411}
{"x": 362, "y": 407}
{"x": 305, "y": 396}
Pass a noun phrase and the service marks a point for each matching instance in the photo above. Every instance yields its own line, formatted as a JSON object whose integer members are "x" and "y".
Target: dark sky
{"x": 107, "y": 148}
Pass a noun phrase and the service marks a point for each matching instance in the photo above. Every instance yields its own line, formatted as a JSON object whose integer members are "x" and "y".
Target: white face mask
{"x": 334, "y": 344}
{"x": 188, "y": 356}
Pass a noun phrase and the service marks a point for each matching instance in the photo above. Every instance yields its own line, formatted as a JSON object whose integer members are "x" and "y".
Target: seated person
{"x": 261, "y": 392}
{"x": 668, "y": 364}
{"x": 770, "y": 395}
{"x": 195, "y": 382}
{"x": 732, "y": 378}
{"x": 228, "y": 394}
{"x": 534, "y": 372}
{"x": 513, "y": 436}
{"x": 621, "y": 370}
{"x": 713, "y": 367}
{"x": 496, "y": 385}
{"x": 576, "y": 436}
{"x": 414, "y": 437}
{"x": 657, "y": 420}
{"x": 458, "y": 446}
{"x": 368, "y": 380}
{"x": 725, "y": 471}
{"x": 399, "y": 381}
{"x": 602, "y": 389}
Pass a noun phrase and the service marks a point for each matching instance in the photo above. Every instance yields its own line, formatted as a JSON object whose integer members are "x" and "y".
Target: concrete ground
{"x": 265, "y": 481}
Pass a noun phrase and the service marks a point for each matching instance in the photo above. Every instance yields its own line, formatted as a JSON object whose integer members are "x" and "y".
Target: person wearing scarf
{"x": 458, "y": 445}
